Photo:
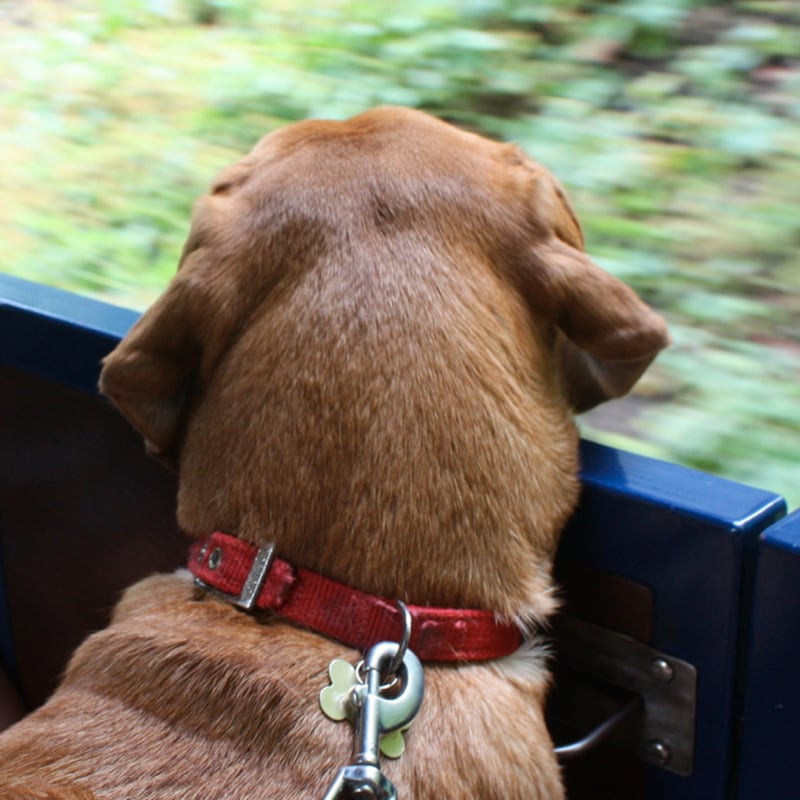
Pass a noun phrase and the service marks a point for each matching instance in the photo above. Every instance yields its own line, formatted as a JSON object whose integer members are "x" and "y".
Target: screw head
{"x": 662, "y": 670}
{"x": 658, "y": 753}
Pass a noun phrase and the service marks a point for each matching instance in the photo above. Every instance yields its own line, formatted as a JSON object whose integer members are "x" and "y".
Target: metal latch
{"x": 663, "y": 689}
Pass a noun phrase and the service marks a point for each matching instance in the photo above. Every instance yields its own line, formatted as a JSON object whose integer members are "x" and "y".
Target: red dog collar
{"x": 252, "y": 577}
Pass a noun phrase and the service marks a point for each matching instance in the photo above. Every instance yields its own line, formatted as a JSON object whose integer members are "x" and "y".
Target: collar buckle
{"x": 251, "y": 588}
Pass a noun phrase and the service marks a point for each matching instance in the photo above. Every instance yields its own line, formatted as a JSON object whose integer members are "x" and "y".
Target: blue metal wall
{"x": 770, "y": 724}
{"x": 690, "y": 538}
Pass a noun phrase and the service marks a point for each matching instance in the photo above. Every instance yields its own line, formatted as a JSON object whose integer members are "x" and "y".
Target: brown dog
{"x": 369, "y": 356}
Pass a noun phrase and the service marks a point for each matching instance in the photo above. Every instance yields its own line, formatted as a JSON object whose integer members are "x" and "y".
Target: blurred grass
{"x": 673, "y": 123}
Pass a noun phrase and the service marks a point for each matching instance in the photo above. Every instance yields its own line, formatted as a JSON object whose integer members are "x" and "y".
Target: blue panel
{"x": 771, "y": 724}
{"x": 704, "y": 497}
{"x": 61, "y": 337}
{"x": 55, "y": 334}
{"x": 688, "y": 537}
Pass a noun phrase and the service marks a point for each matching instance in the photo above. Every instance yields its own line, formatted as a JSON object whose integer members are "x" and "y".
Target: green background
{"x": 672, "y": 123}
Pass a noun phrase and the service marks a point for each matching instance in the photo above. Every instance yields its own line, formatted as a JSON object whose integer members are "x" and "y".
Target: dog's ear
{"x": 150, "y": 375}
{"x": 607, "y": 335}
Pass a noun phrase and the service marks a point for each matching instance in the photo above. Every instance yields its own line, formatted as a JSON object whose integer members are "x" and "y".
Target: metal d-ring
{"x": 402, "y": 647}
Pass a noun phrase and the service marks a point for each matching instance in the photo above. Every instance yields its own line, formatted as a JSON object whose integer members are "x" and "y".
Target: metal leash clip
{"x": 380, "y": 708}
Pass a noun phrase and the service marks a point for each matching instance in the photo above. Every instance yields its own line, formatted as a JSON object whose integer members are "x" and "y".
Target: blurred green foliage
{"x": 673, "y": 123}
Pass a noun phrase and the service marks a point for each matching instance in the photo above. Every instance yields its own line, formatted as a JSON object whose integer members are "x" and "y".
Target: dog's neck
{"x": 387, "y": 433}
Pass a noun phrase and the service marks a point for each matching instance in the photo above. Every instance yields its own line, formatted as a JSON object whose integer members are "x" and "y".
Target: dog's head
{"x": 460, "y": 188}
{"x": 316, "y": 186}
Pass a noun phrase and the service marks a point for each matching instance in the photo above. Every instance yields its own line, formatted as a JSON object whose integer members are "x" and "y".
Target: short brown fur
{"x": 370, "y": 355}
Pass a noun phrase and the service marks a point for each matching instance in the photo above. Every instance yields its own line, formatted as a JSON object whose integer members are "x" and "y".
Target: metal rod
{"x": 596, "y": 737}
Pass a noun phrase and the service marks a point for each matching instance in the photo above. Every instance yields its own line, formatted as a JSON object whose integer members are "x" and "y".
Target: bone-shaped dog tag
{"x": 344, "y": 699}
{"x": 335, "y": 700}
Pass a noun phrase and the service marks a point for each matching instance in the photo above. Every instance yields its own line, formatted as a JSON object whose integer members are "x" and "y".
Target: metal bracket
{"x": 666, "y": 685}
